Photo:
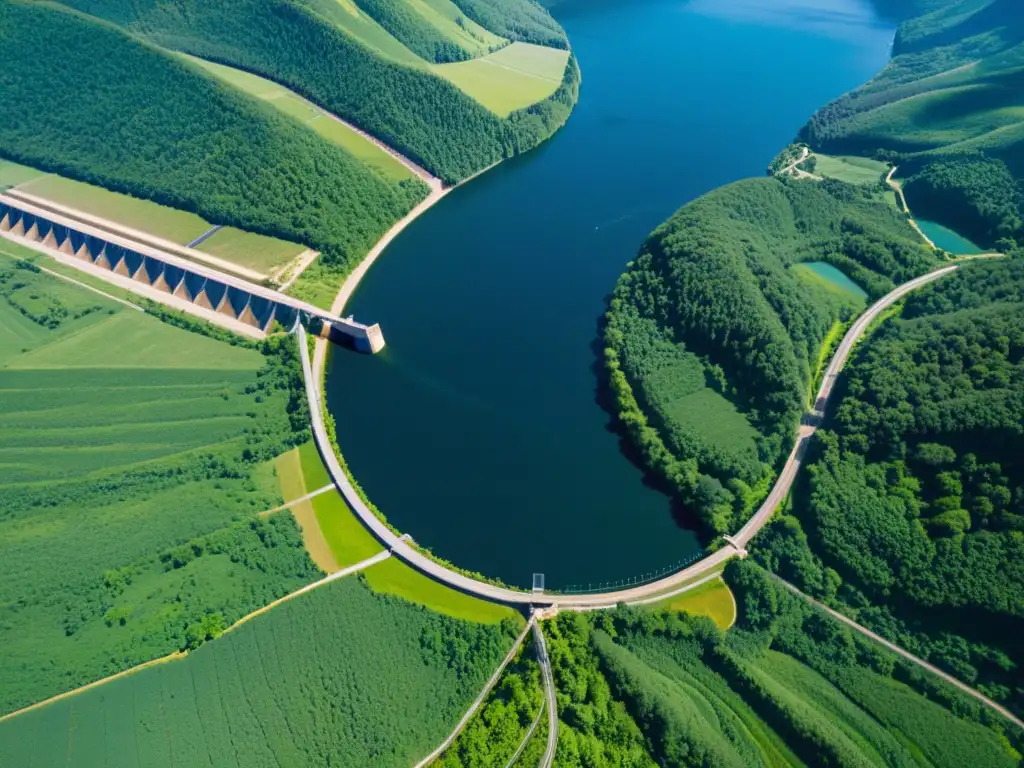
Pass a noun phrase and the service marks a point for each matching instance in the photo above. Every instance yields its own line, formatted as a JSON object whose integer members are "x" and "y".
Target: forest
{"x": 788, "y": 686}
{"x": 911, "y": 515}
{"x": 124, "y": 115}
{"x": 339, "y": 676}
{"x": 521, "y": 20}
{"x": 947, "y": 111}
{"x": 712, "y": 339}
{"x": 293, "y": 42}
{"x": 406, "y": 25}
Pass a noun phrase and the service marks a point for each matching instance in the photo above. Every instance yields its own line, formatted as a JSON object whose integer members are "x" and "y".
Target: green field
{"x": 12, "y": 174}
{"x": 136, "y": 457}
{"x": 515, "y": 77}
{"x": 177, "y": 226}
{"x": 290, "y": 103}
{"x": 249, "y": 249}
{"x": 244, "y": 248}
{"x": 713, "y": 599}
{"x": 335, "y": 677}
{"x": 396, "y": 578}
{"x": 853, "y": 170}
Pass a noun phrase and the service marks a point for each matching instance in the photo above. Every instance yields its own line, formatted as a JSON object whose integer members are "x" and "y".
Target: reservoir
{"x": 478, "y": 429}
{"x": 946, "y": 239}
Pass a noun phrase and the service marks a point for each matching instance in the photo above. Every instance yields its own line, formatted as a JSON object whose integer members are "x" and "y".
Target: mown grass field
{"x": 336, "y": 677}
{"x": 308, "y": 114}
{"x": 853, "y": 170}
{"x": 394, "y": 577}
{"x": 249, "y": 249}
{"x": 181, "y": 227}
{"x": 712, "y": 599}
{"x": 128, "y": 497}
{"x": 515, "y": 77}
{"x": 177, "y": 226}
{"x": 12, "y": 174}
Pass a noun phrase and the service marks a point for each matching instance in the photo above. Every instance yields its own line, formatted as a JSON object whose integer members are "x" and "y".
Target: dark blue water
{"x": 477, "y": 430}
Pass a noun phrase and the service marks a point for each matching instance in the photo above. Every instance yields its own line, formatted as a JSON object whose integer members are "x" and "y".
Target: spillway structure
{"x": 174, "y": 280}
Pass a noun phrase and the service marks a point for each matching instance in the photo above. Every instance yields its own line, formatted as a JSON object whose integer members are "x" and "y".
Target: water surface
{"x": 835, "y": 276}
{"x": 946, "y": 239}
{"x": 478, "y": 430}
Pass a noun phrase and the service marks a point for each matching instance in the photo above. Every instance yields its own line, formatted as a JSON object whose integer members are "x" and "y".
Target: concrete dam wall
{"x": 190, "y": 285}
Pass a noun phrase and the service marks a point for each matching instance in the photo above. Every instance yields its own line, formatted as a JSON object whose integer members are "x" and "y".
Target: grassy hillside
{"x": 913, "y": 511}
{"x": 126, "y": 116}
{"x": 949, "y": 110}
{"x": 787, "y": 687}
{"x": 713, "y": 340}
{"x": 352, "y": 66}
{"x": 136, "y": 457}
{"x": 336, "y": 677}
{"x": 311, "y": 116}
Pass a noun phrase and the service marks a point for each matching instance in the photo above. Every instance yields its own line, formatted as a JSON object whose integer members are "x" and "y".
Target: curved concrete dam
{"x": 478, "y": 429}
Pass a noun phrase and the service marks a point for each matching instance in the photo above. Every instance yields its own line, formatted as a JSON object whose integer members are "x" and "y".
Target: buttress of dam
{"x": 237, "y": 300}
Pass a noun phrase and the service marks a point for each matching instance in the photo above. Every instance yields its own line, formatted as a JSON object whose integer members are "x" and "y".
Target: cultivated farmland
{"x": 135, "y": 461}
{"x": 339, "y": 676}
{"x": 515, "y": 77}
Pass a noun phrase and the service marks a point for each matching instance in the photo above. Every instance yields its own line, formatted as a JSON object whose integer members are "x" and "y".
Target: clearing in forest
{"x": 513, "y": 78}
{"x": 307, "y": 113}
{"x": 853, "y": 170}
{"x": 712, "y": 599}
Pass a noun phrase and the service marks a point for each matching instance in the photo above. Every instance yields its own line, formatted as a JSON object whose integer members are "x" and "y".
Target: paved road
{"x": 738, "y": 543}
{"x": 549, "y": 694}
{"x": 907, "y": 655}
{"x": 531, "y": 624}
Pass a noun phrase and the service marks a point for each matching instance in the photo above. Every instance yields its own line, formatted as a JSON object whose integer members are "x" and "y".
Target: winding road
{"x": 401, "y": 547}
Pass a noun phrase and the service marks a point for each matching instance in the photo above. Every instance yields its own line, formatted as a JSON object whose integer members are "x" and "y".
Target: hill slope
{"x": 86, "y": 100}
{"x": 949, "y": 109}
{"x": 311, "y": 47}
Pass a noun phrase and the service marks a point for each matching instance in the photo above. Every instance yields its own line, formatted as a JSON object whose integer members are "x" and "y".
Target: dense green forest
{"x": 405, "y": 24}
{"x": 136, "y": 458}
{"x": 521, "y": 20}
{"x": 339, "y": 676}
{"x": 713, "y": 338}
{"x": 912, "y": 512}
{"x": 293, "y": 42}
{"x": 949, "y": 111}
{"x": 495, "y": 733}
{"x": 87, "y": 101}
{"x": 788, "y": 686}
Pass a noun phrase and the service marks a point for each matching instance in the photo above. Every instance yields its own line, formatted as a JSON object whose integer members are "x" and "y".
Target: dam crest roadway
{"x": 735, "y": 545}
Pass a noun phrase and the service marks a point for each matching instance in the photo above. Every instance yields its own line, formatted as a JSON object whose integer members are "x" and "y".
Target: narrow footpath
{"x": 478, "y": 702}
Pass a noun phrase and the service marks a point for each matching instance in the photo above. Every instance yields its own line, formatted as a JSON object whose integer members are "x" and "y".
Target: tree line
{"x": 912, "y": 512}
{"x": 710, "y": 302}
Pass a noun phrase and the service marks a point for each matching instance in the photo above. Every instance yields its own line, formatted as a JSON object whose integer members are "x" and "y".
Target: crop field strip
{"x": 307, "y": 681}
{"x": 109, "y": 417}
